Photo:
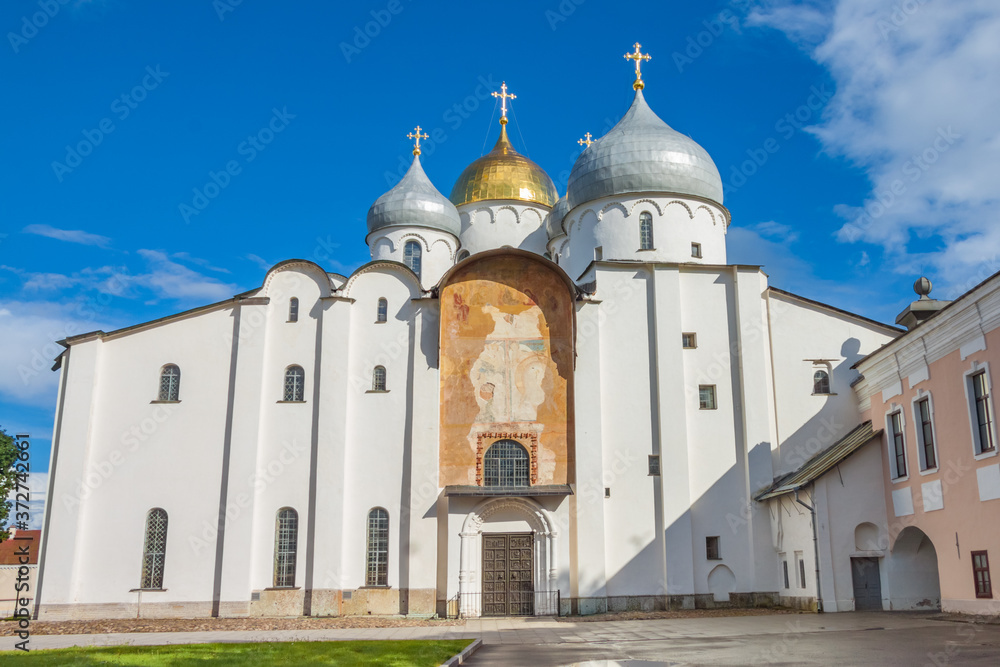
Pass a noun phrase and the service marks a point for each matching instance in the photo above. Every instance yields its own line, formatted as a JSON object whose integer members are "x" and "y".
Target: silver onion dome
{"x": 643, "y": 154}
{"x": 414, "y": 202}
{"x": 553, "y": 221}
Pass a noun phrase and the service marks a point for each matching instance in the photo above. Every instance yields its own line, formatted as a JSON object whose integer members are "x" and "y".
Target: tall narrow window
{"x": 378, "y": 378}
{"x": 926, "y": 434}
{"x": 706, "y": 397}
{"x": 821, "y": 382}
{"x": 411, "y": 256}
{"x": 984, "y": 416}
{"x": 383, "y": 311}
{"x": 286, "y": 539}
{"x": 154, "y": 551}
{"x": 293, "y": 310}
{"x": 981, "y": 573}
{"x": 377, "y": 567}
{"x": 645, "y": 231}
{"x": 170, "y": 383}
{"x": 506, "y": 463}
{"x": 784, "y": 569}
{"x": 295, "y": 384}
{"x": 802, "y": 569}
{"x": 898, "y": 444}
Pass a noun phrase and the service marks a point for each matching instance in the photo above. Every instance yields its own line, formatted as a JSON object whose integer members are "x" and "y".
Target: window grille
{"x": 411, "y": 256}
{"x": 821, "y": 382}
{"x": 927, "y": 433}
{"x": 295, "y": 384}
{"x": 293, "y": 310}
{"x": 984, "y": 416}
{"x": 170, "y": 383}
{"x": 383, "y": 311}
{"x": 706, "y": 397}
{"x": 506, "y": 463}
{"x": 286, "y": 538}
{"x": 898, "y": 444}
{"x": 154, "y": 551}
{"x": 377, "y": 568}
{"x": 378, "y": 378}
{"x": 645, "y": 231}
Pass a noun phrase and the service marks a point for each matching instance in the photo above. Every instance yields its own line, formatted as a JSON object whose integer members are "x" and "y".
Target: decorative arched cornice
{"x": 535, "y": 514}
{"x": 476, "y": 212}
{"x": 386, "y": 239}
{"x": 303, "y": 266}
{"x": 507, "y": 207}
{"x": 447, "y": 244}
{"x": 646, "y": 201}
{"x": 711, "y": 213}
{"x": 679, "y": 202}
{"x": 579, "y": 221}
{"x": 614, "y": 204}
{"x": 414, "y": 235}
{"x": 533, "y": 212}
{"x": 402, "y": 269}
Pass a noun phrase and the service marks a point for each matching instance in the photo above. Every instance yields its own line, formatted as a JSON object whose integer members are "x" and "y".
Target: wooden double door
{"x": 508, "y": 574}
{"x": 867, "y": 584}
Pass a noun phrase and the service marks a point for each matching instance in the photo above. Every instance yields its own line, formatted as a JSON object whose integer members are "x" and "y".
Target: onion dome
{"x": 643, "y": 154}
{"x": 553, "y": 221}
{"x": 414, "y": 202}
{"x": 503, "y": 173}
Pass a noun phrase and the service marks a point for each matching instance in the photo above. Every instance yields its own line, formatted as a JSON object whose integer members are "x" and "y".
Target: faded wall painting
{"x": 506, "y": 368}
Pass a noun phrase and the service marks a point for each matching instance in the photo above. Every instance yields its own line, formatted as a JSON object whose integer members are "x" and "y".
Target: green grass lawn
{"x": 396, "y": 653}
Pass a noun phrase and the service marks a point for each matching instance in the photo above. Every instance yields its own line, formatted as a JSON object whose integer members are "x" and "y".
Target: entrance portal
{"x": 867, "y": 584}
{"x": 508, "y": 567}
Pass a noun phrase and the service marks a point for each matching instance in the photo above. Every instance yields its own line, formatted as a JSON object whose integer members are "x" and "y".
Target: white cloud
{"x": 70, "y": 235}
{"x": 170, "y": 280}
{"x": 262, "y": 263}
{"x": 918, "y": 88}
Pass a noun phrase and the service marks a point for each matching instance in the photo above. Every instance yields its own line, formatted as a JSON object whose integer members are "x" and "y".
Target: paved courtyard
{"x": 800, "y": 639}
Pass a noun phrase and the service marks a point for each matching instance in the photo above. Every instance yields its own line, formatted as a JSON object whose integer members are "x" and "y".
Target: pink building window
{"x": 981, "y": 572}
{"x": 984, "y": 416}
{"x": 898, "y": 444}
{"x": 927, "y": 433}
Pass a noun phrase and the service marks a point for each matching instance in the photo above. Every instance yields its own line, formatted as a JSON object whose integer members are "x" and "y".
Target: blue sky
{"x": 858, "y": 140}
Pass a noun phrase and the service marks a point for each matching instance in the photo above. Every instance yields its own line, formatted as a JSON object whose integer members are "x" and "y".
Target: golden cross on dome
{"x": 588, "y": 139}
{"x": 504, "y": 96}
{"x": 418, "y": 137}
{"x": 638, "y": 57}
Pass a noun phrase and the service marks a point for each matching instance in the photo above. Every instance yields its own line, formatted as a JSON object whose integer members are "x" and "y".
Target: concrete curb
{"x": 464, "y": 655}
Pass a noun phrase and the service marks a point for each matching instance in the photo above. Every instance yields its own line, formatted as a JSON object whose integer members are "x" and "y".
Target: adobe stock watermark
{"x": 562, "y": 12}
{"x": 122, "y": 107}
{"x": 696, "y": 44}
{"x": 248, "y": 149}
{"x": 223, "y": 7}
{"x": 786, "y": 127}
{"x": 913, "y": 169}
{"x": 362, "y": 37}
{"x": 30, "y": 25}
{"x": 900, "y": 14}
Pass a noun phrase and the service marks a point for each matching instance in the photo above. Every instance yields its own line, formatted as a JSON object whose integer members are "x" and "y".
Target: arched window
{"x": 170, "y": 383}
{"x": 286, "y": 539}
{"x": 465, "y": 254}
{"x": 293, "y": 310}
{"x": 295, "y": 384}
{"x": 383, "y": 311}
{"x": 506, "y": 463}
{"x": 821, "y": 382}
{"x": 154, "y": 550}
{"x": 645, "y": 231}
{"x": 411, "y": 256}
{"x": 377, "y": 565}
{"x": 378, "y": 378}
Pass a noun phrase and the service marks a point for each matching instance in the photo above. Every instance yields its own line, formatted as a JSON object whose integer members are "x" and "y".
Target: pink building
{"x": 931, "y": 393}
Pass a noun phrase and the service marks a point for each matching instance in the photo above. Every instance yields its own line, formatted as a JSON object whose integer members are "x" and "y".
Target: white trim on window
{"x": 918, "y": 428}
{"x": 970, "y": 400}
{"x": 894, "y": 475}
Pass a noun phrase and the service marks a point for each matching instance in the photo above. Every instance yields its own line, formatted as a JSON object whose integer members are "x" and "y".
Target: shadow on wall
{"x": 913, "y": 571}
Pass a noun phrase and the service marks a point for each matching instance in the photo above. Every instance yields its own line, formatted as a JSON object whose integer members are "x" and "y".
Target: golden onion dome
{"x": 503, "y": 173}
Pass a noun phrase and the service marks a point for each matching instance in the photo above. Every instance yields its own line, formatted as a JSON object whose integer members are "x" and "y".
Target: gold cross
{"x": 638, "y": 57}
{"x": 588, "y": 139}
{"x": 504, "y": 96}
{"x": 418, "y": 137}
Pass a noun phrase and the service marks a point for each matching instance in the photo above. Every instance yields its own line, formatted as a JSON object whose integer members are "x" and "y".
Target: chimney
{"x": 922, "y": 308}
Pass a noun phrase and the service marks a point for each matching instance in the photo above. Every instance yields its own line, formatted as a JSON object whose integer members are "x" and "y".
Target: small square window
{"x": 706, "y": 397}
{"x": 696, "y": 250}
{"x": 654, "y": 465}
{"x": 689, "y": 341}
{"x": 607, "y": 492}
{"x": 599, "y": 253}
{"x": 712, "y": 551}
